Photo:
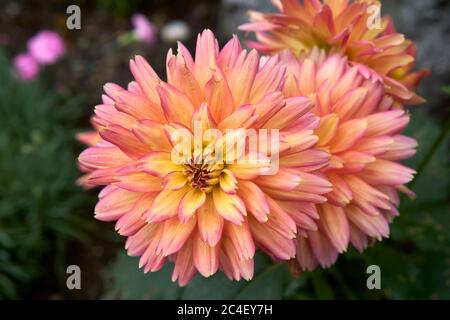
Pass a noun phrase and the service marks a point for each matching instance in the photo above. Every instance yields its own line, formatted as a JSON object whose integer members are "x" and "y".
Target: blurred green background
{"x": 46, "y": 221}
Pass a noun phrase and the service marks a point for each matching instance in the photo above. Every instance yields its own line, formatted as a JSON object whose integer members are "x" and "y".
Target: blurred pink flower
{"x": 144, "y": 30}
{"x": 26, "y": 67}
{"x": 46, "y": 47}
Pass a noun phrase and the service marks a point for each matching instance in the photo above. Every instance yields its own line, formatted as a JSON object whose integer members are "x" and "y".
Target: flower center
{"x": 203, "y": 175}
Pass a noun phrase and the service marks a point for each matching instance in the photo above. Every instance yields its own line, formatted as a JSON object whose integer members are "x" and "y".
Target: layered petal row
{"x": 361, "y": 130}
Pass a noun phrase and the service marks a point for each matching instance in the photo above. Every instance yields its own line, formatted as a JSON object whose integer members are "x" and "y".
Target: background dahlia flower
{"x": 26, "y": 67}
{"x": 346, "y": 27}
{"x": 205, "y": 214}
{"x": 46, "y": 47}
{"x": 361, "y": 131}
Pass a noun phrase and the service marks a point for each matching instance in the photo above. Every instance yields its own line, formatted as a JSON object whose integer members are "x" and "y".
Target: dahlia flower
{"x": 361, "y": 131}
{"x": 46, "y": 47}
{"x": 345, "y": 27}
{"x": 25, "y": 67}
{"x": 206, "y": 204}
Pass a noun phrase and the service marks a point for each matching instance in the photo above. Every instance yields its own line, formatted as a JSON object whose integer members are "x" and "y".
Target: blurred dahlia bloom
{"x": 25, "y": 67}
{"x": 144, "y": 30}
{"x": 361, "y": 131}
{"x": 201, "y": 213}
{"x": 46, "y": 47}
{"x": 346, "y": 27}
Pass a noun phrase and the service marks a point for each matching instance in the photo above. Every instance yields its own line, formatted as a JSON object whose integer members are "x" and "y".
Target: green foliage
{"x": 271, "y": 281}
{"x": 40, "y": 206}
{"x": 414, "y": 262}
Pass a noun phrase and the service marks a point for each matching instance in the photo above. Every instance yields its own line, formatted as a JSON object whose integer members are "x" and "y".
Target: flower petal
{"x": 174, "y": 235}
{"x": 210, "y": 222}
{"x": 192, "y": 200}
{"x": 165, "y": 205}
{"x": 229, "y": 206}
{"x": 206, "y": 257}
{"x": 335, "y": 226}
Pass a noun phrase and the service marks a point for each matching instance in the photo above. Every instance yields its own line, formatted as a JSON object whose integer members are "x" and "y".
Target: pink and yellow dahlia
{"x": 346, "y": 27}
{"x": 361, "y": 131}
{"x": 200, "y": 203}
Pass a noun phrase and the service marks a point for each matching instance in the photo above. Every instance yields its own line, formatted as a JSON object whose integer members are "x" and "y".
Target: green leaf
{"x": 129, "y": 282}
{"x": 432, "y": 160}
{"x": 411, "y": 274}
{"x": 322, "y": 289}
{"x": 425, "y": 219}
{"x": 271, "y": 281}
{"x": 269, "y": 284}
